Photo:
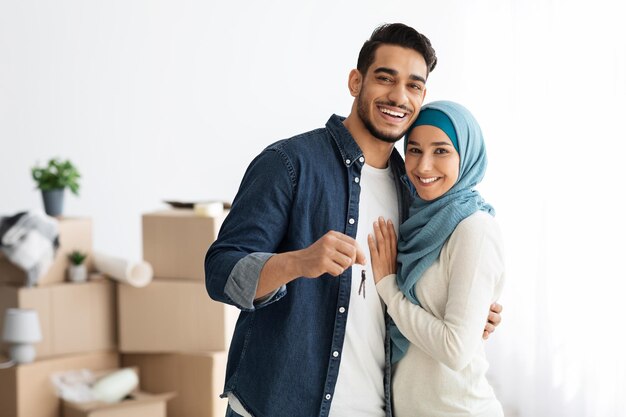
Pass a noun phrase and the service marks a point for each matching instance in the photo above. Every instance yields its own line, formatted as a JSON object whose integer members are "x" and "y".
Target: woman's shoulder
{"x": 476, "y": 225}
{"x": 476, "y": 233}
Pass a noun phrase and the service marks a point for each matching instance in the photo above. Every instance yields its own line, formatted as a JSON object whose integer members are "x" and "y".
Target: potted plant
{"x": 52, "y": 181}
{"x": 77, "y": 271}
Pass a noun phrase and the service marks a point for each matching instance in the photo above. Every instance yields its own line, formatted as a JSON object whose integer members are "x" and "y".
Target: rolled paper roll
{"x": 115, "y": 386}
{"x": 138, "y": 274}
{"x": 209, "y": 209}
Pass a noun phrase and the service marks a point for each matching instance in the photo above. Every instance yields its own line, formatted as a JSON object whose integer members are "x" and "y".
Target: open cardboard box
{"x": 136, "y": 404}
{"x": 26, "y": 390}
{"x": 74, "y": 234}
{"x": 197, "y": 378}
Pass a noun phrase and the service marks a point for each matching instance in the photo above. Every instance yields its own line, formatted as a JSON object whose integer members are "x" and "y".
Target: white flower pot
{"x": 77, "y": 273}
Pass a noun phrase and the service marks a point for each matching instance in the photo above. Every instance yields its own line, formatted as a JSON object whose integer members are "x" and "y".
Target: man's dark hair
{"x": 400, "y": 35}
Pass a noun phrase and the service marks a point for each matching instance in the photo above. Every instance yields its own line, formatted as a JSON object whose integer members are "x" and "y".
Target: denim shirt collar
{"x": 409, "y": 185}
{"x": 351, "y": 151}
{"x": 346, "y": 144}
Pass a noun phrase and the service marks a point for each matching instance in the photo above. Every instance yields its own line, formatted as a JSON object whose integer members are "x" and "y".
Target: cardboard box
{"x": 176, "y": 241}
{"x": 139, "y": 404}
{"x": 196, "y": 378}
{"x": 74, "y": 234}
{"x": 74, "y": 317}
{"x": 172, "y": 316}
{"x": 26, "y": 390}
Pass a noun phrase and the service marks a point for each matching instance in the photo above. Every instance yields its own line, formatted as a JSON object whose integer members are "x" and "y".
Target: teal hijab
{"x": 430, "y": 223}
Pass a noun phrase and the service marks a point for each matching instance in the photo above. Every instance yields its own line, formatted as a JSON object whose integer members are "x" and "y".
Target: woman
{"x": 450, "y": 268}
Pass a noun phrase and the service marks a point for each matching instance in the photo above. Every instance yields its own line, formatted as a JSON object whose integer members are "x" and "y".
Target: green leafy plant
{"x": 58, "y": 174}
{"x": 77, "y": 257}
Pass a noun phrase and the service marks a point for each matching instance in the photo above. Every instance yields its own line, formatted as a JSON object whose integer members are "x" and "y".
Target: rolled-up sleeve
{"x": 243, "y": 281}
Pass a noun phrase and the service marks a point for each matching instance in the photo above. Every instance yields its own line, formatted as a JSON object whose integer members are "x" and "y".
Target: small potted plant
{"x": 52, "y": 181}
{"x": 77, "y": 271}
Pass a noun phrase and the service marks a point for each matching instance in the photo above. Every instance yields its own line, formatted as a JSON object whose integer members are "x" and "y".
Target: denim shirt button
{"x": 361, "y": 159}
{"x": 347, "y": 162}
{"x": 342, "y": 309}
{"x": 328, "y": 396}
{"x": 356, "y": 179}
{"x": 351, "y": 221}
{"x": 335, "y": 354}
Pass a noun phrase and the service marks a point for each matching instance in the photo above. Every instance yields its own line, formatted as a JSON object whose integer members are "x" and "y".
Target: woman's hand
{"x": 383, "y": 249}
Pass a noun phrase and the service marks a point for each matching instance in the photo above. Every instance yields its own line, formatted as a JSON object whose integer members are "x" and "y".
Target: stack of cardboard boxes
{"x": 170, "y": 330}
{"x": 77, "y": 324}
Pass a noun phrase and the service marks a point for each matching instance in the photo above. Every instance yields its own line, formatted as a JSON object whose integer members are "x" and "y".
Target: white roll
{"x": 115, "y": 386}
{"x": 137, "y": 274}
{"x": 209, "y": 209}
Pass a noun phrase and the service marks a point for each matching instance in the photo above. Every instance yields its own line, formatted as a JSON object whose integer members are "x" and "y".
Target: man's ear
{"x": 355, "y": 81}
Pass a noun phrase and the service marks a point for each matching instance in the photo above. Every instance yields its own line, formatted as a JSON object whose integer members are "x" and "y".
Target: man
{"x": 311, "y": 339}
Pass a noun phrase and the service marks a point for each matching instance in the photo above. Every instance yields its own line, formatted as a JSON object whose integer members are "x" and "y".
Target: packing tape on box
{"x": 137, "y": 274}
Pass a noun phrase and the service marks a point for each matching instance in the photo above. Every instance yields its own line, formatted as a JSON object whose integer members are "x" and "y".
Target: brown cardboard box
{"x": 74, "y": 317}
{"x": 140, "y": 404}
{"x": 172, "y": 316}
{"x": 26, "y": 390}
{"x": 74, "y": 234}
{"x": 197, "y": 379}
{"x": 176, "y": 241}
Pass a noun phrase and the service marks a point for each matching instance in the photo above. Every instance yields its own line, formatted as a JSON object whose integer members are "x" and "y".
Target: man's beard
{"x": 362, "y": 112}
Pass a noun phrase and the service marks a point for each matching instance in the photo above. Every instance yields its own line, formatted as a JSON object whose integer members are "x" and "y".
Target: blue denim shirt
{"x": 280, "y": 361}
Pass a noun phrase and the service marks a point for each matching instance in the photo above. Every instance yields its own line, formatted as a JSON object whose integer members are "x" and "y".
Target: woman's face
{"x": 431, "y": 162}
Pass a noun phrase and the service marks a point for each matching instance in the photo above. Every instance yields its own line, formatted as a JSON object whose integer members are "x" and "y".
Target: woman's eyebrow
{"x": 411, "y": 142}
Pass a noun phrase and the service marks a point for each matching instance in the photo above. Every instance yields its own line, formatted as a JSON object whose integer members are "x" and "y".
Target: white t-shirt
{"x": 359, "y": 391}
{"x": 360, "y": 385}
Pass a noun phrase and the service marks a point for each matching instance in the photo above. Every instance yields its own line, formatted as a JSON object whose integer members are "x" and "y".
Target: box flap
{"x": 135, "y": 398}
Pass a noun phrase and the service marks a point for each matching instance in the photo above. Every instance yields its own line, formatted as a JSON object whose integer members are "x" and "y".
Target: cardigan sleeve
{"x": 475, "y": 267}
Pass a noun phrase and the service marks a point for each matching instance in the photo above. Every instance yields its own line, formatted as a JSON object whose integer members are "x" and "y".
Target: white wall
{"x": 163, "y": 99}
